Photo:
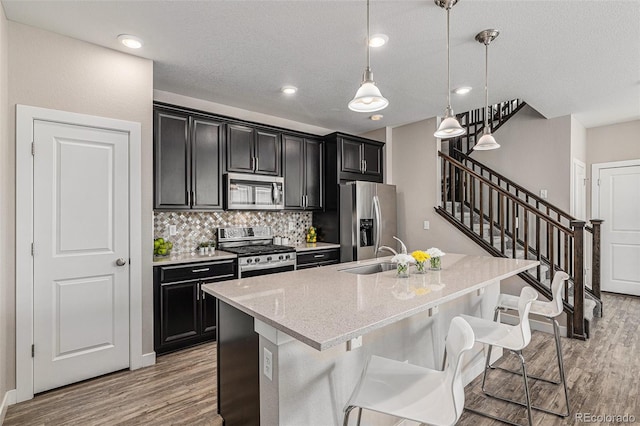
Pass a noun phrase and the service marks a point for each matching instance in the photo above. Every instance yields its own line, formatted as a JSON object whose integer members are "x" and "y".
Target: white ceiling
{"x": 562, "y": 57}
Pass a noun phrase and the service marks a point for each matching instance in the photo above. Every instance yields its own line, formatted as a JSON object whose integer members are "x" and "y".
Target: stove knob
{"x": 280, "y": 257}
{"x": 257, "y": 259}
{"x": 249, "y": 260}
{"x": 268, "y": 258}
{"x": 287, "y": 257}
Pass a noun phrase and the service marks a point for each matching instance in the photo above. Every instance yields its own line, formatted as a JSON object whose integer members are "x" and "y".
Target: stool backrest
{"x": 459, "y": 340}
{"x": 527, "y": 296}
{"x": 555, "y": 306}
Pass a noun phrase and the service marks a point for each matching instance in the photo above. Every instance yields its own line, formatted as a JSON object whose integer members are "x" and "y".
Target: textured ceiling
{"x": 562, "y": 57}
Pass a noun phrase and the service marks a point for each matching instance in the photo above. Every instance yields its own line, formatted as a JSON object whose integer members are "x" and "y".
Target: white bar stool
{"x": 550, "y": 310}
{"x": 510, "y": 337}
{"x": 412, "y": 392}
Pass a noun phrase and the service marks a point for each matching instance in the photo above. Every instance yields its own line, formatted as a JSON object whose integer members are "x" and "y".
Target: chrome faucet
{"x": 387, "y": 249}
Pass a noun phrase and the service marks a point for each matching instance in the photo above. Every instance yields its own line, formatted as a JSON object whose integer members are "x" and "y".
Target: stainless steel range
{"x": 257, "y": 255}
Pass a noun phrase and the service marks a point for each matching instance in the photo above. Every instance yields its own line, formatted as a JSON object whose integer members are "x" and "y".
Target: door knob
{"x": 121, "y": 262}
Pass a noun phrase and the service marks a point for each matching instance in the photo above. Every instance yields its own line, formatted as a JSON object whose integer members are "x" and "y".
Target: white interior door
{"x": 579, "y": 199}
{"x": 81, "y": 229}
{"x": 619, "y": 205}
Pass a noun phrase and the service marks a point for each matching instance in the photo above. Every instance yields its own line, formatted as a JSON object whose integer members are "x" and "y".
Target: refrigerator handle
{"x": 377, "y": 222}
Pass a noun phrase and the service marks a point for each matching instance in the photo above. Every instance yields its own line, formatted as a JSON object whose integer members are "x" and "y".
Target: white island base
{"x": 313, "y": 330}
{"x": 310, "y": 387}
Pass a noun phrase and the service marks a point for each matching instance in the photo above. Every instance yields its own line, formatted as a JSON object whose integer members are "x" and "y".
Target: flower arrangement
{"x": 421, "y": 258}
{"x": 402, "y": 260}
{"x": 435, "y": 254}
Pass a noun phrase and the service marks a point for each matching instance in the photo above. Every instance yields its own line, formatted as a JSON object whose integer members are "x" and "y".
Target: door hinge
{"x": 598, "y": 181}
{"x": 33, "y": 351}
{"x": 33, "y": 148}
{"x": 32, "y": 250}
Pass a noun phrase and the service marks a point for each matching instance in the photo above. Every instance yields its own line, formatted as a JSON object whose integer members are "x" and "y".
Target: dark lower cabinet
{"x": 316, "y": 258}
{"x": 184, "y": 314}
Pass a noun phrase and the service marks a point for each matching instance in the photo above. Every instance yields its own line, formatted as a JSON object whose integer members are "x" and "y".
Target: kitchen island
{"x": 307, "y": 334}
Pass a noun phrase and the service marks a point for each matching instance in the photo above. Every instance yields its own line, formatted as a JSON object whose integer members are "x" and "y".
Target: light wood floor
{"x": 602, "y": 375}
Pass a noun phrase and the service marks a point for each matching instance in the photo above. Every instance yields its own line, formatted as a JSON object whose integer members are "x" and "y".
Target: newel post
{"x": 578, "y": 279}
{"x": 595, "y": 255}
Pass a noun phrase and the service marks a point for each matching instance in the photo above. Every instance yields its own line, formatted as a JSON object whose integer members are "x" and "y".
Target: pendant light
{"x": 368, "y": 97}
{"x": 487, "y": 141}
{"x": 449, "y": 127}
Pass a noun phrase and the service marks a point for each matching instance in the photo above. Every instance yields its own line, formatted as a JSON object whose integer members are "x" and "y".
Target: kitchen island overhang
{"x": 302, "y": 320}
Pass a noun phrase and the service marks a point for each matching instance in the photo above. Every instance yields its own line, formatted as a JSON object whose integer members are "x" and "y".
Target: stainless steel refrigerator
{"x": 367, "y": 219}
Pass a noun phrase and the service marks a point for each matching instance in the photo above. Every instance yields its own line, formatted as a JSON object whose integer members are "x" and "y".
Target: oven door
{"x": 254, "y": 192}
{"x": 254, "y": 272}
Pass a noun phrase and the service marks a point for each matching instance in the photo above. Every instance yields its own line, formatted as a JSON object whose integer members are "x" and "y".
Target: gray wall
{"x": 52, "y": 71}
{"x": 7, "y": 213}
{"x": 536, "y": 153}
{"x": 415, "y": 174}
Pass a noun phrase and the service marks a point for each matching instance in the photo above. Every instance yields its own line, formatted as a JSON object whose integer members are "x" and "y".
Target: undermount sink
{"x": 373, "y": 268}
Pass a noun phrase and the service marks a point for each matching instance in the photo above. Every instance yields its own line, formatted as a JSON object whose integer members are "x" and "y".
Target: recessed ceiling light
{"x": 376, "y": 117}
{"x": 289, "y": 90}
{"x": 378, "y": 40}
{"x": 462, "y": 90}
{"x": 130, "y": 41}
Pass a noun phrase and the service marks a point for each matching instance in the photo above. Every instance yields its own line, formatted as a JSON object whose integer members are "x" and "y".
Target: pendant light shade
{"x": 368, "y": 97}
{"x": 487, "y": 141}
{"x": 449, "y": 126}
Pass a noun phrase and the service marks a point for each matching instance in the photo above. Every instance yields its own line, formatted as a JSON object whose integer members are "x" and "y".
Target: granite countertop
{"x": 325, "y": 307}
{"x": 178, "y": 258}
{"x": 315, "y": 246}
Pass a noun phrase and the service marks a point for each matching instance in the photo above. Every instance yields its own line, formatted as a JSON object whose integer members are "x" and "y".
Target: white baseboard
{"x": 544, "y": 326}
{"x": 9, "y": 399}
{"x": 148, "y": 359}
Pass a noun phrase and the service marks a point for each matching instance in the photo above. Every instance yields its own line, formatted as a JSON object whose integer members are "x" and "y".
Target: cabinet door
{"x": 351, "y": 156}
{"x": 313, "y": 163}
{"x": 208, "y": 309}
{"x": 372, "y": 155}
{"x": 179, "y": 312}
{"x": 267, "y": 153}
{"x": 293, "y": 172}
{"x": 205, "y": 164}
{"x": 240, "y": 148}
{"x": 171, "y": 161}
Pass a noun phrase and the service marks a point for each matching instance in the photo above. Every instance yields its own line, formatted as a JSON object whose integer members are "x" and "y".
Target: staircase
{"x": 509, "y": 221}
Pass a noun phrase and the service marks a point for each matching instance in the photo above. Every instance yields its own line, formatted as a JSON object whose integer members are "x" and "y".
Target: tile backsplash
{"x": 196, "y": 227}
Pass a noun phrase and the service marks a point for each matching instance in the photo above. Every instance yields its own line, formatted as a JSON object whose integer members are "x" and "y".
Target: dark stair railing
{"x": 509, "y": 221}
{"x": 473, "y": 122}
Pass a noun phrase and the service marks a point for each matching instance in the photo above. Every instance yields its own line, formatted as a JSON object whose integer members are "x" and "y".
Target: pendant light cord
{"x": 368, "y": 47}
{"x": 448, "y": 64}
{"x": 486, "y": 84}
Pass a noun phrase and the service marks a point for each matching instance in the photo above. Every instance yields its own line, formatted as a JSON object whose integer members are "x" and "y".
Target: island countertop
{"x": 324, "y": 307}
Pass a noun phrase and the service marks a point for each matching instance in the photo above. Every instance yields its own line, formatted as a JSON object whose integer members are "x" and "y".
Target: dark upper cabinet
{"x": 187, "y": 152}
{"x": 350, "y": 158}
{"x": 172, "y": 166}
{"x": 303, "y": 173}
{"x": 252, "y": 150}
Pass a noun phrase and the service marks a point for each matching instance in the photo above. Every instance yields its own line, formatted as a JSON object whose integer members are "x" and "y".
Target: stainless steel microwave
{"x": 253, "y": 192}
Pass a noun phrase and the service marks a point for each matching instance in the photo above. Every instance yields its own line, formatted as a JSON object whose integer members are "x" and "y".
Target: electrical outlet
{"x": 267, "y": 362}
{"x": 292, "y": 226}
{"x": 173, "y": 230}
{"x": 543, "y": 194}
{"x": 425, "y": 224}
{"x": 354, "y": 343}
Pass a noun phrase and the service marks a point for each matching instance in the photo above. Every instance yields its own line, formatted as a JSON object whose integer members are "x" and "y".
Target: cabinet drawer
{"x": 317, "y": 256}
{"x": 204, "y": 270}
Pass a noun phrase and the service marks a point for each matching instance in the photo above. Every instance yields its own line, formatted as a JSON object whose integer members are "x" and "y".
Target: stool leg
{"x": 487, "y": 366}
{"x": 526, "y": 387}
{"x": 359, "y": 415}
{"x": 495, "y": 318}
{"x": 347, "y": 411}
{"x": 556, "y": 332}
